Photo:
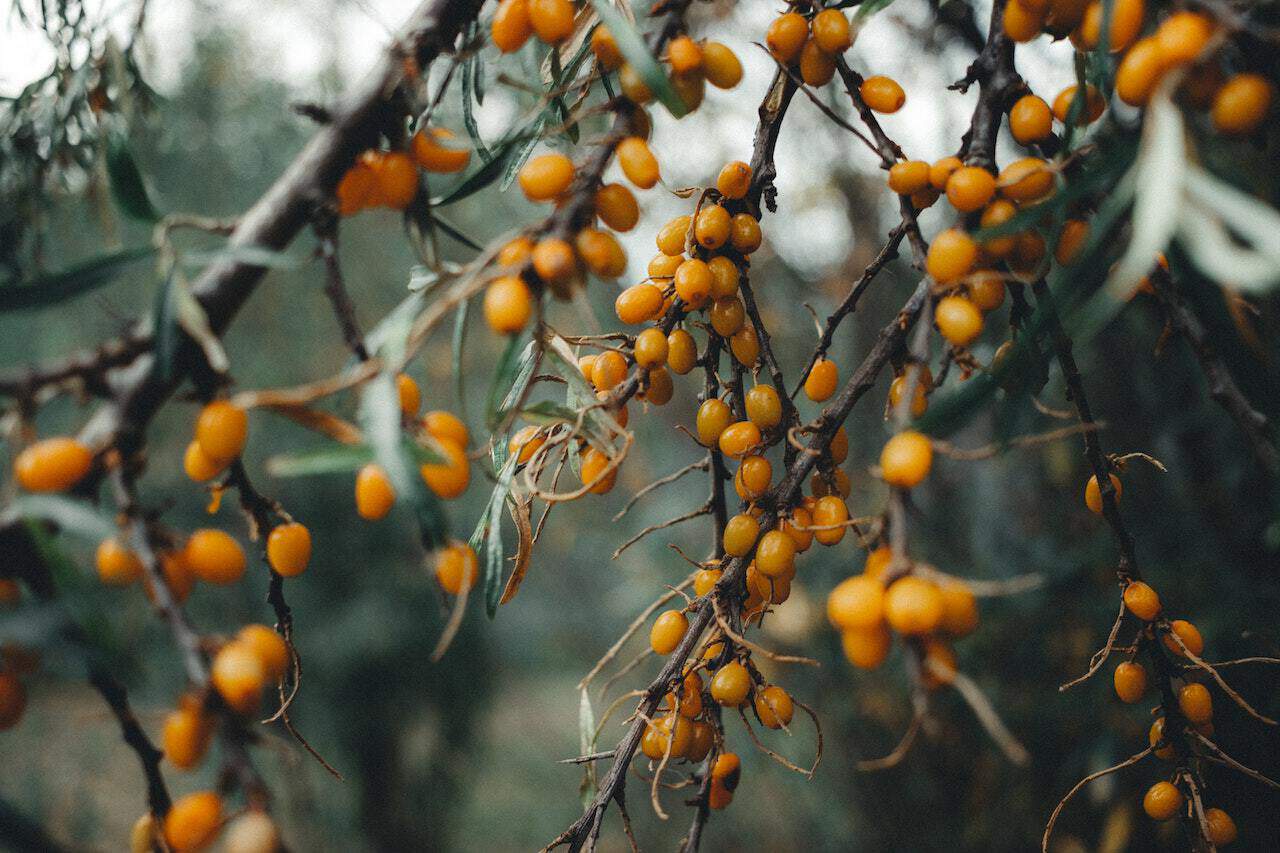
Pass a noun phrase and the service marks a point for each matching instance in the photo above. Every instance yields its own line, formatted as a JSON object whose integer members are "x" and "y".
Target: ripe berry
{"x": 1075, "y": 233}
{"x": 374, "y": 495}
{"x": 608, "y": 369}
{"x": 711, "y": 228}
{"x": 515, "y": 252}
{"x": 269, "y": 646}
{"x": 1142, "y": 601}
{"x": 776, "y": 554}
{"x": 606, "y": 49}
{"x": 1094, "y": 104}
{"x": 959, "y": 609}
{"x": 764, "y": 407}
{"x": 357, "y": 189}
{"x": 970, "y": 188}
{"x": 839, "y": 445}
{"x": 214, "y": 557}
{"x": 512, "y": 25}
{"x": 724, "y": 277}
{"x": 1020, "y": 23}
{"x": 740, "y": 535}
{"x": 906, "y": 459}
{"x": 616, "y": 207}
{"x": 739, "y": 439}
{"x": 670, "y": 238}
{"x": 1030, "y": 120}
{"x": 720, "y": 65}
{"x": 734, "y": 179}
{"x": 1026, "y": 180}
{"x": 693, "y": 282}
{"x": 1196, "y": 704}
{"x": 940, "y": 172}
{"x": 186, "y": 734}
{"x": 682, "y": 352}
{"x": 178, "y": 576}
{"x": 866, "y": 648}
{"x": 959, "y": 320}
{"x": 238, "y": 675}
{"x": 951, "y": 256}
{"x": 1155, "y": 736}
{"x": 745, "y": 346}
{"x": 774, "y": 707}
{"x": 908, "y": 177}
{"x": 435, "y": 151}
{"x": 397, "y": 177}
{"x": 821, "y": 382}
{"x": 441, "y": 424}
{"x": 985, "y": 289}
{"x": 1222, "y": 829}
{"x": 638, "y": 304}
{"x": 712, "y": 419}
{"x": 785, "y": 37}
{"x": 1162, "y": 801}
{"x": 1093, "y": 494}
{"x": 857, "y": 603}
{"x": 752, "y": 478}
{"x": 667, "y": 631}
{"x": 1181, "y": 37}
{"x": 684, "y": 55}
{"x": 638, "y": 162}
{"x": 831, "y": 31}
{"x": 221, "y": 430}
{"x": 1241, "y": 104}
{"x": 526, "y": 442}
{"x": 1125, "y": 24}
{"x": 829, "y": 516}
{"x": 1188, "y": 634}
{"x": 593, "y": 472}
{"x": 409, "y": 394}
{"x": 913, "y": 606}
{"x": 1130, "y": 681}
{"x": 553, "y": 260}
{"x": 601, "y": 253}
{"x": 448, "y": 478}
{"x": 659, "y": 389}
{"x": 457, "y": 568}
{"x": 13, "y": 700}
{"x": 289, "y": 549}
{"x": 546, "y": 176}
{"x": 727, "y": 770}
{"x": 116, "y": 564}
{"x": 744, "y": 234}
{"x": 198, "y": 466}
{"x": 730, "y": 685}
{"x": 192, "y": 822}
{"x": 705, "y": 579}
{"x": 882, "y": 94}
{"x": 552, "y": 19}
{"x": 1139, "y": 72}
{"x": 651, "y": 348}
{"x": 816, "y": 65}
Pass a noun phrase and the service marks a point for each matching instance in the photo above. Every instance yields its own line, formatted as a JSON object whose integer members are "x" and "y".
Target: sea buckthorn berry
{"x": 737, "y": 440}
{"x": 116, "y": 564}
{"x": 816, "y": 65}
{"x": 269, "y": 646}
{"x": 594, "y": 473}
{"x": 925, "y": 198}
{"x": 829, "y": 516}
{"x": 601, "y": 253}
{"x": 605, "y": 48}
{"x": 1222, "y": 829}
{"x": 1021, "y": 24}
{"x": 744, "y": 233}
{"x": 906, "y": 459}
{"x": 1130, "y": 681}
{"x": 711, "y": 229}
{"x": 941, "y": 171}
{"x": 516, "y": 251}
{"x": 877, "y": 561}
{"x": 1094, "y": 104}
{"x": 690, "y": 697}
{"x": 638, "y": 162}
{"x": 913, "y": 606}
{"x": 178, "y": 576}
{"x": 785, "y": 37}
{"x": 586, "y": 364}
{"x": 1125, "y": 25}
{"x": 409, "y": 393}
{"x": 192, "y": 822}
{"x": 693, "y": 282}
{"x": 512, "y": 25}
{"x": 919, "y": 399}
{"x": 727, "y": 316}
{"x": 727, "y": 770}
{"x": 671, "y": 236}
{"x": 839, "y": 445}
{"x": 720, "y": 65}
{"x": 1162, "y": 801}
{"x": 1026, "y": 180}
{"x": 508, "y": 304}
{"x": 617, "y": 207}
{"x": 1189, "y": 635}
{"x": 526, "y": 442}
{"x": 970, "y": 188}
{"x": 714, "y": 416}
{"x": 448, "y": 478}
{"x": 959, "y": 609}
{"x": 667, "y": 631}
{"x": 734, "y": 179}
{"x": 1155, "y": 735}
{"x": 214, "y": 557}
{"x": 552, "y": 19}
{"x": 740, "y": 534}
{"x": 435, "y": 150}
{"x": 357, "y": 189}
{"x": 252, "y": 832}
{"x": 674, "y": 735}
{"x": 13, "y": 700}
{"x": 289, "y": 549}
{"x": 185, "y": 735}
{"x": 724, "y": 277}
{"x": 1141, "y": 600}
{"x": 1196, "y": 704}
{"x": 797, "y": 526}
{"x": 730, "y": 685}
{"x": 651, "y": 348}
{"x": 682, "y": 352}
{"x": 638, "y": 304}
{"x": 1241, "y": 104}
{"x": 866, "y": 648}
{"x": 821, "y": 382}
{"x": 446, "y": 425}
{"x": 1075, "y": 233}
{"x": 764, "y": 406}
{"x": 985, "y": 289}
{"x": 1028, "y": 253}
{"x": 238, "y": 675}
{"x": 664, "y": 266}
{"x": 745, "y": 346}
{"x": 633, "y": 86}
{"x": 659, "y": 389}
{"x": 1181, "y": 37}
{"x": 457, "y": 568}
{"x": 776, "y": 554}
{"x": 546, "y": 176}
{"x": 856, "y": 603}
{"x": 553, "y": 260}
{"x": 705, "y": 579}
{"x": 882, "y": 94}
{"x": 774, "y": 707}
{"x": 938, "y": 667}
{"x": 831, "y": 31}
{"x": 909, "y": 177}
{"x": 1030, "y": 120}
{"x": 951, "y": 256}
{"x": 752, "y": 478}
{"x": 1063, "y": 16}
{"x": 221, "y": 430}
{"x": 1093, "y": 494}
{"x": 958, "y": 319}
{"x": 198, "y": 466}
{"x": 1139, "y": 72}
{"x": 684, "y": 55}
{"x": 397, "y": 178}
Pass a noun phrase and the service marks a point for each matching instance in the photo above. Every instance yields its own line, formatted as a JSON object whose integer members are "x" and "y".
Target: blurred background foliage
{"x": 461, "y": 755}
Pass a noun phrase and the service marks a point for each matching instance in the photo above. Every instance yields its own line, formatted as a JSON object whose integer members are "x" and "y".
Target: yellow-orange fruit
{"x": 526, "y": 442}
{"x": 185, "y": 735}
{"x": 941, "y": 171}
{"x": 816, "y": 65}
{"x": 682, "y": 352}
{"x": 116, "y": 564}
{"x": 396, "y": 176}
{"x": 711, "y": 228}
{"x": 952, "y": 255}
{"x": 448, "y": 478}
{"x": 601, "y": 253}
{"x": 856, "y": 603}
{"x": 552, "y": 19}
{"x": 1155, "y": 735}
{"x": 785, "y": 37}
{"x": 829, "y": 516}
{"x": 882, "y": 94}
{"x": 1182, "y": 36}
{"x": 357, "y": 189}
{"x": 684, "y": 55}
{"x": 919, "y": 399}
{"x": 546, "y": 176}
{"x": 508, "y": 304}
{"x": 409, "y": 393}
{"x": 660, "y": 387}
{"x": 289, "y": 549}
{"x": 1130, "y": 681}
{"x": 1162, "y": 801}
{"x": 866, "y": 648}
{"x": 197, "y": 465}
{"x": 821, "y": 382}
{"x": 221, "y": 430}
{"x": 985, "y": 289}
{"x": 959, "y": 609}
{"x": 178, "y": 576}
{"x": 670, "y": 238}
{"x": 752, "y": 478}
{"x": 192, "y": 822}
{"x": 1241, "y": 104}
{"x": 238, "y": 675}
{"x": 693, "y": 281}
{"x": 1075, "y": 233}
{"x": 554, "y": 260}
{"x": 1139, "y": 72}
{"x": 745, "y": 346}
{"x": 730, "y": 684}
{"x": 638, "y": 304}
{"x": 970, "y": 188}
{"x": 593, "y": 473}
{"x": 958, "y": 319}
{"x": 214, "y": 557}
{"x": 909, "y": 177}
{"x": 1093, "y": 494}
{"x": 1030, "y": 119}
{"x": 651, "y": 348}
{"x": 734, "y": 179}
{"x": 638, "y": 162}
{"x": 1125, "y": 24}
{"x": 269, "y": 646}
{"x": 1196, "y": 704}
{"x": 764, "y": 406}
{"x": 775, "y": 554}
{"x": 1021, "y": 24}
{"x": 617, "y": 207}
{"x": 906, "y": 459}
{"x": 1026, "y": 180}
{"x": 1094, "y": 104}
{"x": 608, "y": 369}
{"x": 1221, "y": 828}
{"x": 736, "y": 440}
{"x": 744, "y": 233}
{"x": 1141, "y": 600}
{"x": 606, "y": 49}
{"x": 913, "y": 606}
{"x": 724, "y": 277}
{"x": 740, "y": 535}
{"x": 667, "y": 631}
{"x": 831, "y": 31}
{"x": 374, "y": 494}
{"x": 727, "y": 315}
{"x": 436, "y": 151}
{"x": 442, "y": 424}
{"x": 705, "y": 579}
{"x": 512, "y": 25}
{"x": 1188, "y": 634}
{"x": 457, "y": 568}
{"x": 774, "y": 707}
{"x": 720, "y": 65}
{"x": 997, "y": 213}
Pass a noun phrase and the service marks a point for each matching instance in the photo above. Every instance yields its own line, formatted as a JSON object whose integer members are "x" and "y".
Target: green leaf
{"x": 579, "y": 394}
{"x": 637, "y": 54}
{"x": 515, "y": 369}
{"x": 168, "y": 333}
{"x": 457, "y": 344}
{"x": 869, "y": 8}
{"x": 586, "y": 745}
{"x": 69, "y": 514}
{"x": 128, "y": 186}
{"x": 254, "y": 256}
{"x": 331, "y": 459}
{"x": 491, "y": 170}
{"x": 74, "y": 281}
{"x": 486, "y": 539}
{"x": 453, "y": 231}
{"x": 468, "y": 112}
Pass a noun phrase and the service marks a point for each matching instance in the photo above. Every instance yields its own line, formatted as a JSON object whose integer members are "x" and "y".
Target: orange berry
{"x": 442, "y": 424}
{"x": 1162, "y": 801}
{"x": 374, "y": 495}
{"x": 711, "y": 228}
{"x": 508, "y": 304}
{"x": 724, "y": 277}
{"x": 831, "y": 31}
{"x": 1021, "y": 24}
{"x": 606, "y": 49}
{"x": 638, "y": 304}
{"x": 985, "y": 289}
{"x": 684, "y": 55}
{"x": 682, "y": 352}
{"x": 764, "y": 406}
{"x": 198, "y": 466}
{"x": 238, "y": 675}
{"x": 970, "y": 188}
{"x": 515, "y": 252}
{"x": 740, "y": 535}
{"x": 185, "y": 736}
{"x": 433, "y": 151}
{"x": 410, "y": 395}
{"x": 1222, "y": 829}
{"x": 593, "y": 472}
{"x": 867, "y": 649}
{"x": 512, "y": 25}
{"x": 856, "y": 603}
{"x": 671, "y": 236}
{"x": 744, "y": 234}
{"x": 909, "y": 177}
{"x": 651, "y": 348}
{"x": 1093, "y": 494}
{"x": 941, "y": 171}
{"x": 608, "y": 369}
{"x": 829, "y": 516}
{"x": 906, "y": 459}
{"x": 997, "y": 213}
{"x": 552, "y": 19}
{"x": 638, "y": 162}
{"x": 693, "y": 282}
{"x": 526, "y": 442}
{"x": 215, "y": 557}
{"x": 52, "y": 465}
{"x": 1196, "y": 704}
{"x": 178, "y": 576}
{"x": 919, "y": 400}
{"x": 617, "y": 207}
{"x": 289, "y": 549}
{"x": 634, "y": 88}
{"x": 1093, "y": 105}
{"x": 397, "y": 178}
{"x": 730, "y": 684}
{"x": 546, "y": 176}
{"x": 719, "y": 797}
{"x": 951, "y": 256}
{"x": 1026, "y": 180}
{"x": 192, "y": 822}
{"x": 959, "y": 609}
{"x": 1155, "y": 735}
{"x": 1188, "y": 634}
{"x": 221, "y": 430}
{"x": 1182, "y": 36}
{"x": 457, "y": 568}
{"x": 116, "y": 564}
{"x": 269, "y": 646}
{"x": 357, "y": 190}
{"x": 1030, "y": 119}
{"x": 958, "y": 319}
{"x": 1241, "y": 104}
{"x": 1142, "y": 601}
{"x": 1125, "y": 25}
{"x": 877, "y": 561}
{"x": 839, "y": 445}
{"x": 738, "y": 439}
{"x": 734, "y": 180}
{"x": 727, "y": 770}
{"x": 1130, "y": 682}
{"x": 667, "y": 631}
{"x": 13, "y": 700}
{"x": 1139, "y": 72}
{"x": 775, "y": 554}
{"x": 720, "y": 65}
{"x": 882, "y": 94}
{"x": 745, "y": 346}
{"x": 554, "y": 260}
{"x": 1075, "y": 233}
{"x": 753, "y": 477}
{"x": 705, "y": 579}
{"x": 774, "y": 707}
{"x": 785, "y": 37}
{"x": 816, "y": 65}
{"x": 913, "y": 606}
{"x": 601, "y": 253}
{"x": 821, "y": 382}
{"x": 448, "y": 478}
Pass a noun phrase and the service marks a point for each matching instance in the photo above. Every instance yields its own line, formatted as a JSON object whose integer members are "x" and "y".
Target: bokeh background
{"x": 461, "y": 755}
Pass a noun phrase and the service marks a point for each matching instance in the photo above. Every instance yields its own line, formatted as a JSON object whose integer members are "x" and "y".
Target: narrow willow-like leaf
{"x": 128, "y": 186}
{"x": 333, "y": 459}
{"x": 69, "y": 283}
{"x": 69, "y": 514}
